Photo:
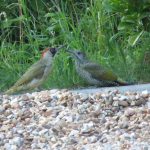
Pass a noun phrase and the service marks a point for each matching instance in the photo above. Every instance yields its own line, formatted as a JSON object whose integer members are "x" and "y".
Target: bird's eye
{"x": 79, "y": 53}
{"x": 53, "y": 50}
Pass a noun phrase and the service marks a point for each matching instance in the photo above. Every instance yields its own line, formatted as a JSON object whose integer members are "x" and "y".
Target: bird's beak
{"x": 73, "y": 54}
{"x": 60, "y": 47}
{"x": 70, "y": 51}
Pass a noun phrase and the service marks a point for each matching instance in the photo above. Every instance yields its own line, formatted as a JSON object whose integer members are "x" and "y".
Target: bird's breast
{"x": 86, "y": 75}
{"x": 34, "y": 81}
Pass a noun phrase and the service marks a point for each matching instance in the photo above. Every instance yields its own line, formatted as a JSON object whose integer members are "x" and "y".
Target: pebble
{"x": 123, "y": 103}
{"x": 18, "y": 141}
{"x": 1, "y": 110}
{"x": 60, "y": 119}
{"x": 116, "y": 103}
{"x": 123, "y": 97}
{"x": 87, "y": 127}
{"x": 124, "y": 124}
{"x": 92, "y": 139}
{"x": 145, "y": 93}
{"x": 97, "y": 110}
{"x": 129, "y": 112}
{"x": 74, "y": 133}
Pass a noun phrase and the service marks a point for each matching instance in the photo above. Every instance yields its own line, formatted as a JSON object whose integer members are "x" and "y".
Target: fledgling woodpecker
{"x": 37, "y": 73}
{"x": 94, "y": 73}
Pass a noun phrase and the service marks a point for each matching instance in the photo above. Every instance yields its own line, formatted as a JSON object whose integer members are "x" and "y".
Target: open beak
{"x": 71, "y": 51}
{"x": 60, "y": 47}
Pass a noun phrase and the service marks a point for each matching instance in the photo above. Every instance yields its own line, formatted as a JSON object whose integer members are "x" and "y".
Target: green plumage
{"x": 32, "y": 78}
{"x": 35, "y": 71}
{"x": 94, "y": 73}
{"x": 99, "y": 72}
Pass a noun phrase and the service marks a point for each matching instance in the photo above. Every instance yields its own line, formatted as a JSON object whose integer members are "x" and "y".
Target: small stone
{"x": 115, "y": 103}
{"x": 74, "y": 133}
{"x": 47, "y": 113}
{"x": 137, "y": 96}
{"x": 15, "y": 104}
{"x": 140, "y": 102}
{"x": 53, "y": 139}
{"x": 97, "y": 110}
{"x": 68, "y": 119}
{"x": 6, "y": 106}
{"x": 83, "y": 108}
{"x": 14, "y": 147}
{"x": 125, "y": 136}
{"x": 148, "y": 104}
{"x": 22, "y": 103}
{"x": 7, "y": 146}
{"x": 18, "y": 141}
{"x": 133, "y": 136}
{"x": 87, "y": 127}
{"x": 6, "y": 97}
{"x": 72, "y": 140}
{"x": 103, "y": 119}
{"x": 34, "y": 146}
{"x": 129, "y": 112}
{"x": 9, "y": 134}
{"x": 103, "y": 140}
{"x": 92, "y": 139}
{"x": 124, "y": 125}
{"x": 110, "y": 100}
{"x": 146, "y": 148}
{"x": 123, "y": 103}
{"x": 43, "y": 132}
{"x": 133, "y": 103}
{"x": 84, "y": 97}
{"x": 85, "y": 141}
{"x": 1, "y": 110}
{"x": 25, "y": 97}
{"x": 145, "y": 93}
{"x": 122, "y": 98}
{"x": 115, "y": 98}
{"x": 62, "y": 123}
{"x": 2, "y": 136}
{"x": 20, "y": 131}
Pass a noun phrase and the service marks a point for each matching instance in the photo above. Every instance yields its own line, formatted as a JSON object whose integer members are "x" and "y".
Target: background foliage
{"x": 115, "y": 33}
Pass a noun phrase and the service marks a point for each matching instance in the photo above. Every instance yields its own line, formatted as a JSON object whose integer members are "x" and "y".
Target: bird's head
{"x": 51, "y": 51}
{"x": 78, "y": 55}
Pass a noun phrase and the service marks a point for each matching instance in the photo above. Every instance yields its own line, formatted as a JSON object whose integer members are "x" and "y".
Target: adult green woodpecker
{"x": 92, "y": 73}
{"x": 37, "y": 73}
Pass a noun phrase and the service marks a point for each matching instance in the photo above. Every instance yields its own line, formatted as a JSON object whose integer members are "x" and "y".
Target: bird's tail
{"x": 123, "y": 83}
{"x": 21, "y": 88}
{"x": 12, "y": 90}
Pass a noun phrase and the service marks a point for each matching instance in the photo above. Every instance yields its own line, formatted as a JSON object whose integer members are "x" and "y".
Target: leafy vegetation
{"x": 115, "y": 33}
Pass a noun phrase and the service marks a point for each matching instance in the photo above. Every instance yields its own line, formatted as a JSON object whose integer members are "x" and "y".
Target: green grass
{"x": 81, "y": 25}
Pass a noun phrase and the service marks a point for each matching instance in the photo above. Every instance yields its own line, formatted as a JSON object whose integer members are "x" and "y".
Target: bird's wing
{"x": 99, "y": 73}
{"x": 35, "y": 71}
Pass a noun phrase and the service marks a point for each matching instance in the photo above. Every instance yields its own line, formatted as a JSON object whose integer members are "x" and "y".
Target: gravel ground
{"x": 66, "y": 120}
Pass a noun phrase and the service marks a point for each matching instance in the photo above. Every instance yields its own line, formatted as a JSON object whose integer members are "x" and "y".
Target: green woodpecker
{"x": 94, "y": 73}
{"x": 37, "y": 73}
